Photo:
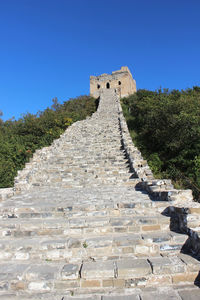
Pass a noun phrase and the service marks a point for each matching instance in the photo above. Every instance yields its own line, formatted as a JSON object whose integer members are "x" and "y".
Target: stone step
{"x": 114, "y": 161}
{"x": 75, "y": 168}
{"x": 87, "y": 154}
{"x": 128, "y": 273}
{"x": 94, "y": 163}
{"x": 80, "y": 180}
{"x": 81, "y": 183}
{"x": 66, "y": 210}
{"x": 87, "y": 223}
{"x": 103, "y": 204}
{"x": 164, "y": 293}
{"x": 83, "y": 247}
{"x": 93, "y": 166}
{"x": 75, "y": 172}
{"x": 98, "y": 198}
{"x": 104, "y": 174}
{"x": 74, "y": 219}
{"x": 123, "y": 242}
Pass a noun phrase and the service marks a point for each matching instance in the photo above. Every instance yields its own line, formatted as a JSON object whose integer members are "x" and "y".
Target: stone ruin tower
{"x": 121, "y": 80}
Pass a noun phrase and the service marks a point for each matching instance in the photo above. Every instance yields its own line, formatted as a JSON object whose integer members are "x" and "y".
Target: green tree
{"x": 166, "y": 127}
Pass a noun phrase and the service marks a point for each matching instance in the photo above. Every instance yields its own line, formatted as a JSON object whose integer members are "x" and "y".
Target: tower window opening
{"x": 107, "y": 85}
{"x": 119, "y": 82}
{"x": 98, "y": 86}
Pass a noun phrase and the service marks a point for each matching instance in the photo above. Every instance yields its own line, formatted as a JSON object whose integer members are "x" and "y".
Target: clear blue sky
{"x": 49, "y": 48}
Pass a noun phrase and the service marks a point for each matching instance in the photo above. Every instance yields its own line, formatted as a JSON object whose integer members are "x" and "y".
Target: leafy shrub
{"x": 166, "y": 128}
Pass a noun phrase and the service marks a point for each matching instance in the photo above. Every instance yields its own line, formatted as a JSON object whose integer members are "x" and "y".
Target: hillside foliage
{"x": 20, "y": 138}
{"x": 165, "y": 126}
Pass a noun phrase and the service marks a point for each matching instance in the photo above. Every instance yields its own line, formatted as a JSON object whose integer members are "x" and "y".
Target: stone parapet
{"x": 160, "y": 189}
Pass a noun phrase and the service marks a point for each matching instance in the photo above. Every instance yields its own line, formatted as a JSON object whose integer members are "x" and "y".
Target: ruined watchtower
{"x": 122, "y": 81}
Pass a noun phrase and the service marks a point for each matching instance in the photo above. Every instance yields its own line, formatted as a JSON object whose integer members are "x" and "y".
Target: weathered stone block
{"x": 12, "y": 271}
{"x": 98, "y": 270}
{"x": 136, "y": 282}
{"x": 171, "y": 247}
{"x": 43, "y": 272}
{"x": 190, "y": 295}
{"x": 21, "y": 256}
{"x": 90, "y": 283}
{"x": 119, "y": 283}
{"x": 95, "y": 297}
{"x": 66, "y": 284}
{"x": 128, "y": 268}
{"x": 159, "y": 280}
{"x": 164, "y": 295}
{"x": 163, "y": 265}
{"x": 192, "y": 264}
{"x": 124, "y": 297}
{"x": 18, "y": 285}
{"x": 39, "y": 286}
{"x": 184, "y": 278}
{"x": 151, "y": 227}
{"x": 73, "y": 243}
{"x": 70, "y": 271}
{"x": 126, "y": 250}
{"x": 142, "y": 250}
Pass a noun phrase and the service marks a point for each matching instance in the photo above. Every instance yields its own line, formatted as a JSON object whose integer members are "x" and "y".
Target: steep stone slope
{"x": 88, "y": 153}
{"x": 77, "y": 227}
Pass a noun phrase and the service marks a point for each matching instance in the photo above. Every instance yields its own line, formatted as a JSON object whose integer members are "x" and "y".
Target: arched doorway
{"x": 107, "y": 85}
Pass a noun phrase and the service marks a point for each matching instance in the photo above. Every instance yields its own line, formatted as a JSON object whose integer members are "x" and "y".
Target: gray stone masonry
{"x": 80, "y": 224}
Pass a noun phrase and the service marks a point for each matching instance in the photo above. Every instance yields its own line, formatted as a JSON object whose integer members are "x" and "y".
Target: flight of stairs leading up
{"x": 78, "y": 226}
{"x": 89, "y": 153}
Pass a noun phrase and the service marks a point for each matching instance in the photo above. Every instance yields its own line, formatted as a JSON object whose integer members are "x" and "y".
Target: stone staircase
{"x": 78, "y": 225}
{"x": 89, "y": 153}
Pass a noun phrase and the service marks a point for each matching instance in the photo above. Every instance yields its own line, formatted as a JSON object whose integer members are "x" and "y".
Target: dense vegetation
{"x": 165, "y": 126}
{"x": 19, "y": 139}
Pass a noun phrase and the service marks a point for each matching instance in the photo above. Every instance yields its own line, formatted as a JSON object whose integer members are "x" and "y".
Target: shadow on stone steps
{"x": 178, "y": 224}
